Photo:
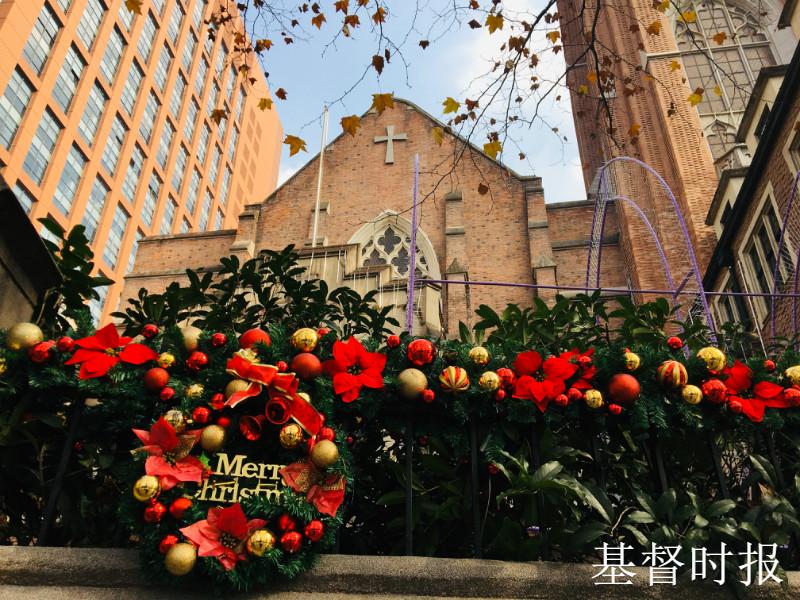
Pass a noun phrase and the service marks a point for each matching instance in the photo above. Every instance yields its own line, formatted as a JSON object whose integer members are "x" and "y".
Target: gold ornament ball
{"x": 191, "y": 337}
{"x": 632, "y": 361}
{"x": 195, "y": 390}
{"x": 305, "y": 339}
{"x": 235, "y": 385}
{"x": 489, "y": 381}
{"x": 793, "y": 374}
{"x": 324, "y": 453}
{"x": 291, "y": 436}
{"x": 212, "y": 438}
{"x": 146, "y": 487}
{"x": 479, "y": 356}
{"x": 593, "y": 398}
{"x": 411, "y": 382}
{"x": 260, "y": 542}
{"x": 22, "y": 336}
{"x": 691, "y": 394}
{"x": 166, "y": 360}
{"x": 180, "y": 559}
{"x": 713, "y": 357}
{"x": 176, "y": 418}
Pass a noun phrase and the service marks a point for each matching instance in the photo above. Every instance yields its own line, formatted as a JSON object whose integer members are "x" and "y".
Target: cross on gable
{"x": 390, "y": 138}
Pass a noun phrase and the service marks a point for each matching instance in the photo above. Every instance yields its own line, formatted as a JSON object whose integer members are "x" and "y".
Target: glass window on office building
{"x": 42, "y": 146}
{"x": 12, "y": 106}
{"x": 133, "y": 83}
{"x": 116, "y": 138}
{"x": 168, "y": 218}
{"x": 162, "y": 68}
{"x": 231, "y": 83}
{"x": 197, "y": 14}
{"x": 191, "y": 120}
{"x": 208, "y": 45}
{"x": 147, "y": 37}
{"x": 134, "y": 173}
{"x": 175, "y": 22}
{"x": 115, "y": 236}
{"x": 218, "y": 220}
{"x": 187, "y": 57}
{"x": 159, "y": 6}
{"x": 240, "y": 104}
{"x": 181, "y": 160}
{"x": 222, "y": 55}
{"x": 213, "y": 96}
{"x": 226, "y": 183}
{"x": 151, "y": 199}
{"x": 164, "y": 144}
{"x": 71, "y": 175}
{"x": 177, "y": 96}
{"x": 200, "y": 78}
{"x": 89, "y": 24}
{"x": 134, "y": 248}
{"x": 96, "y": 304}
{"x": 149, "y": 117}
{"x": 113, "y": 54}
{"x": 26, "y": 199}
{"x": 202, "y": 147}
{"x": 194, "y": 192}
{"x": 223, "y": 127}
{"x": 93, "y": 113}
{"x": 68, "y": 78}
{"x": 126, "y": 16}
{"x": 41, "y": 39}
{"x": 64, "y": 4}
{"x": 232, "y": 144}
{"x": 213, "y": 168}
{"x": 185, "y": 226}
{"x": 205, "y": 210}
{"x": 94, "y": 207}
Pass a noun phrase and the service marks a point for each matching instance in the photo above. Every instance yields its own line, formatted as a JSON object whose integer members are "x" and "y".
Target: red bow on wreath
{"x": 325, "y": 492}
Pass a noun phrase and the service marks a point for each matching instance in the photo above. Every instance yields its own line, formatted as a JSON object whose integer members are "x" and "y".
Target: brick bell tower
{"x": 649, "y": 59}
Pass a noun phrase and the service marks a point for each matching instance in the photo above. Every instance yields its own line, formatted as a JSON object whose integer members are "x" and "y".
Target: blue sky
{"x": 314, "y": 75}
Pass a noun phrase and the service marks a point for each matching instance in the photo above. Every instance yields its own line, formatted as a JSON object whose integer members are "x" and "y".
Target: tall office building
{"x": 105, "y": 121}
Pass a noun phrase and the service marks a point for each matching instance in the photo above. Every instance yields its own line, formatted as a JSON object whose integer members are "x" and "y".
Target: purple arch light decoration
{"x": 779, "y": 257}
{"x": 594, "y": 256}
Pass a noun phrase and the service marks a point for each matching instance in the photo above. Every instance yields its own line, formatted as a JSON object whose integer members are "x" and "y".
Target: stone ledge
{"x": 114, "y": 573}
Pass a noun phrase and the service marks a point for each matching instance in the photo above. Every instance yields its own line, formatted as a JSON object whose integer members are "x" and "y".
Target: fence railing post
{"x": 717, "y": 460}
{"x": 476, "y": 492}
{"x": 409, "y": 491}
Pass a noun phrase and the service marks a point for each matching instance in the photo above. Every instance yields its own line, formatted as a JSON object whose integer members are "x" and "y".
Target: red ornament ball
{"x": 78, "y": 446}
{"x": 282, "y": 366}
{"x": 179, "y": 506}
{"x": 167, "y": 542}
{"x": 291, "y": 541}
{"x": 493, "y": 469}
{"x": 499, "y": 395}
{"x": 156, "y": 379}
{"x": 218, "y": 401}
{"x": 574, "y": 394}
{"x": 623, "y": 389}
{"x": 350, "y": 440}
{"x": 307, "y": 366}
{"x": 428, "y": 396}
{"x": 507, "y": 377}
{"x": 421, "y": 352}
{"x": 769, "y": 365}
{"x": 714, "y": 391}
{"x": 314, "y": 530}
{"x": 393, "y": 341}
{"x": 675, "y": 342}
{"x": 735, "y": 407}
{"x": 615, "y": 409}
{"x": 792, "y": 395}
{"x": 584, "y": 362}
{"x": 562, "y": 400}
{"x": 326, "y": 433}
{"x": 251, "y": 337}
{"x": 201, "y": 415}
{"x": 219, "y": 339}
{"x": 42, "y": 352}
{"x": 224, "y": 422}
{"x": 154, "y": 512}
{"x": 286, "y": 523}
{"x": 166, "y": 394}
{"x": 150, "y": 331}
{"x": 65, "y": 344}
{"x": 197, "y": 360}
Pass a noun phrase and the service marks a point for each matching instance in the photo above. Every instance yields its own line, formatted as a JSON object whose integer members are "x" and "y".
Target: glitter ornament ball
{"x": 180, "y": 559}
{"x": 146, "y": 487}
{"x": 260, "y": 542}
{"x": 479, "y": 356}
{"x": 691, "y": 394}
{"x": 713, "y": 357}
{"x": 304, "y": 339}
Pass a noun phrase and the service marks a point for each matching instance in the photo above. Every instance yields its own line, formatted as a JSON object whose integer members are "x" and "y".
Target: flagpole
{"x": 319, "y": 175}
{"x": 412, "y": 269}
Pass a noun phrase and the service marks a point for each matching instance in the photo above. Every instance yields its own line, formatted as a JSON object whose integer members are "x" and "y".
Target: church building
{"x": 363, "y": 238}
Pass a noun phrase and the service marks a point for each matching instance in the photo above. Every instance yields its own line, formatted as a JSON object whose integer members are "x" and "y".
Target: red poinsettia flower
{"x": 541, "y": 381}
{"x": 223, "y": 534}
{"x": 169, "y": 458}
{"x": 584, "y": 382}
{"x": 764, "y": 394}
{"x": 97, "y": 353}
{"x": 352, "y": 368}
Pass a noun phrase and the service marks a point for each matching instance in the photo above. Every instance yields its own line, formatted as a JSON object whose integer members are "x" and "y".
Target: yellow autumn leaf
{"x": 381, "y": 102}
{"x": 295, "y": 144}
{"x": 553, "y": 36}
{"x": 351, "y": 124}
{"x": 696, "y": 97}
{"x": 450, "y": 105}
{"x": 654, "y": 28}
{"x": 634, "y": 130}
{"x": 720, "y": 37}
{"x": 662, "y": 6}
{"x": 688, "y": 16}
{"x": 265, "y": 103}
{"x": 493, "y": 148}
{"x": 494, "y": 22}
{"x": 318, "y": 21}
{"x": 134, "y": 6}
{"x": 438, "y": 135}
{"x": 674, "y": 65}
{"x": 717, "y": 90}
{"x": 217, "y": 115}
{"x": 379, "y": 16}
{"x": 583, "y": 89}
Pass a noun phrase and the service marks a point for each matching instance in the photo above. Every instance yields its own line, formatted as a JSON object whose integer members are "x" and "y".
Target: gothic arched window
{"x": 723, "y": 48}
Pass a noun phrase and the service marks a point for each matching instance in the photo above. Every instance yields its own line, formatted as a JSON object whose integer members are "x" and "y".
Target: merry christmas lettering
{"x": 235, "y": 479}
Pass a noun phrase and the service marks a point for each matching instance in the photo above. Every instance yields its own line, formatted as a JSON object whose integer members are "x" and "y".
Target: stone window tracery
{"x": 389, "y": 245}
